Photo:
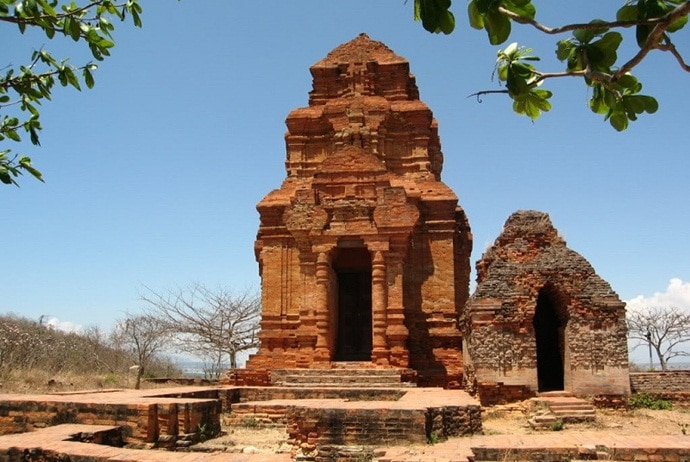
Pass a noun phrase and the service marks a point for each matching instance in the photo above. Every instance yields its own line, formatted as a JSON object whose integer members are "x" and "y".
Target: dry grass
{"x": 39, "y": 381}
{"x": 512, "y": 420}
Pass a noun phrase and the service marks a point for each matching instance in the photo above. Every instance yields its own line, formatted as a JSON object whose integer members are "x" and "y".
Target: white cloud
{"x": 677, "y": 295}
{"x": 65, "y": 326}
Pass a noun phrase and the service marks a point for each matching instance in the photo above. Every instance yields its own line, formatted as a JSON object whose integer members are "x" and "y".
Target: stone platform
{"x": 178, "y": 417}
{"x": 390, "y": 425}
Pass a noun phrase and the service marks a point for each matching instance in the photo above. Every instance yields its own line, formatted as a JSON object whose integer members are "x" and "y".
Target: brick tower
{"x": 363, "y": 251}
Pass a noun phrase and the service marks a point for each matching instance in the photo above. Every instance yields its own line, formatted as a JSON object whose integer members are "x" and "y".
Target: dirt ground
{"x": 512, "y": 419}
{"x": 497, "y": 420}
{"x": 249, "y": 440}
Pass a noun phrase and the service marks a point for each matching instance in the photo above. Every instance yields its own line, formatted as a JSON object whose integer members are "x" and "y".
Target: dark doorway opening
{"x": 354, "y": 334}
{"x": 549, "y": 329}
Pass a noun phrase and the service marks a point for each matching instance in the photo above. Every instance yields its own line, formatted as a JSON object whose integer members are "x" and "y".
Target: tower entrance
{"x": 549, "y": 329}
{"x": 352, "y": 267}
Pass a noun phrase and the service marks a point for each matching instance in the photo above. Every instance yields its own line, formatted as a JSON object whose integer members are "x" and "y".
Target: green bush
{"x": 556, "y": 426}
{"x": 649, "y": 401}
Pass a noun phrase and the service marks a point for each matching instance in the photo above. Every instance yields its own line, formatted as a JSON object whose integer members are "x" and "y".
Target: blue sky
{"x": 153, "y": 176}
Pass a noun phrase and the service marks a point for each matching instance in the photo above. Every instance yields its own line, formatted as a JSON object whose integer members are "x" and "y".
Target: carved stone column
{"x": 379, "y": 353}
{"x": 322, "y": 306}
{"x": 306, "y": 332}
{"x": 396, "y": 331}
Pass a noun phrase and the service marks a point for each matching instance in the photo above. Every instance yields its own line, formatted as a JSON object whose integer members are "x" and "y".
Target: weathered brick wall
{"x": 662, "y": 382}
{"x": 19, "y": 416}
{"x": 530, "y": 266}
{"x": 145, "y": 422}
{"x": 446, "y": 421}
{"x": 491, "y": 394}
{"x": 309, "y": 428}
{"x": 269, "y": 393}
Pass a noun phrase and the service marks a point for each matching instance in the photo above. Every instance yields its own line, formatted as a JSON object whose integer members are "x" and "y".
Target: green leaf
{"x": 619, "y": 121}
{"x": 602, "y": 53}
{"x": 88, "y": 77}
{"x": 521, "y": 7}
{"x": 484, "y": 6}
{"x": 136, "y": 19}
{"x": 497, "y": 26}
{"x": 13, "y": 135}
{"x": 74, "y": 29}
{"x": 25, "y": 163}
{"x": 627, "y": 81}
{"x": 597, "y": 105}
{"x": 641, "y": 103}
{"x": 563, "y": 49}
{"x": 447, "y": 22}
{"x": 677, "y": 25}
{"x": 5, "y": 175}
{"x": 627, "y": 13}
{"x": 476, "y": 18}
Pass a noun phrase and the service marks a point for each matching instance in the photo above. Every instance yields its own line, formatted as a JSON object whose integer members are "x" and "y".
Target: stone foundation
{"x": 311, "y": 427}
{"x": 159, "y": 421}
{"x": 491, "y": 394}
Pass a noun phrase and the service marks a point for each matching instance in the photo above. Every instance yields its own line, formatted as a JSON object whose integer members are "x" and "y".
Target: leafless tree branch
{"x": 213, "y": 324}
{"x": 665, "y": 329}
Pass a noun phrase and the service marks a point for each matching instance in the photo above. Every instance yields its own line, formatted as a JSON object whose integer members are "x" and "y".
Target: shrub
{"x": 649, "y": 401}
{"x": 556, "y": 426}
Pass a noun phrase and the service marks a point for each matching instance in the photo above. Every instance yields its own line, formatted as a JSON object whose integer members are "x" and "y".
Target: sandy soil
{"x": 512, "y": 419}
{"x": 249, "y": 440}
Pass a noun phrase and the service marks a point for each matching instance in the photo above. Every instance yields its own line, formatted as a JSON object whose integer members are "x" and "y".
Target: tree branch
{"x": 654, "y": 40}
{"x": 594, "y": 26}
{"x": 479, "y": 94}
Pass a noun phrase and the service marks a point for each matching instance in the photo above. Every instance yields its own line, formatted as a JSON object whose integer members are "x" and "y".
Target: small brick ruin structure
{"x": 363, "y": 251}
{"x": 364, "y": 256}
{"x": 541, "y": 319}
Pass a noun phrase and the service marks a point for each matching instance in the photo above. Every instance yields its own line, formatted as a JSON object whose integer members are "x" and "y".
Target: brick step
{"x": 338, "y": 372}
{"x": 558, "y": 411}
{"x": 554, "y": 394}
{"x": 346, "y": 385}
{"x": 345, "y": 379}
{"x": 570, "y": 406}
{"x": 565, "y": 408}
{"x": 339, "y": 377}
{"x": 546, "y": 418}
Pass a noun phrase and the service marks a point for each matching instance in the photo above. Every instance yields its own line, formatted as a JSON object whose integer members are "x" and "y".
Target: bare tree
{"x": 214, "y": 325}
{"x": 145, "y": 337}
{"x": 664, "y": 329}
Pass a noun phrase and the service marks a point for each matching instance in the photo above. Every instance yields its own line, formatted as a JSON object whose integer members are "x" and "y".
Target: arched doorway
{"x": 352, "y": 267}
{"x": 550, "y": 319}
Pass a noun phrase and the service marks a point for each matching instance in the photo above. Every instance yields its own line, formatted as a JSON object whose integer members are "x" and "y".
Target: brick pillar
{"x": 396, "y": 332}
{"x": 322, "y": 311}
{"x": 379, "y": 303}
{"x": 306, "y": 333}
